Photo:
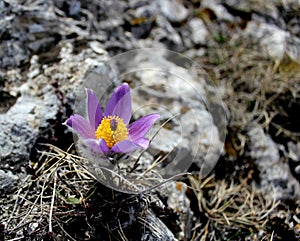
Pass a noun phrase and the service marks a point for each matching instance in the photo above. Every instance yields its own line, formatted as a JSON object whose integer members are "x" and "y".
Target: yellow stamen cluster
{"x": 112, "y": 129}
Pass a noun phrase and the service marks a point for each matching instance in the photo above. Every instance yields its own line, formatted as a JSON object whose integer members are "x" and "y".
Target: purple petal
{"x": 94, "y": 110}
{"x": 93, "y": 144}
{"x": 142, "y": 142}
{"x": 125, "y": 147}
{"x": 81, "y": 126}
{"x": 98, "y": 145}
{"x": 103, "y": 147}
{"x": 119, "y": 103}
{"x": 139, "y": 128}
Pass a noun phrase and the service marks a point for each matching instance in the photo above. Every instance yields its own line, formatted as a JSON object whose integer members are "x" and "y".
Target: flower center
{"x": 112, "y": 129}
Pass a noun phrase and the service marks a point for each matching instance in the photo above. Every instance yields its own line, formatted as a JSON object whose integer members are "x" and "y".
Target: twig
{"x": 16, "y": 202}
{"x": 23, "y": 219}
{"x": 52, "y": 203}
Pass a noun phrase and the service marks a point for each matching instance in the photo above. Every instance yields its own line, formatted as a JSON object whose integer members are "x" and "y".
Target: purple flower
{"x": 110, "y": 132}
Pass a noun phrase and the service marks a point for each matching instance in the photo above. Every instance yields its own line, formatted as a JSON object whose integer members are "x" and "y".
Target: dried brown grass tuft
{"x": 48, "y": 199}
{"x": 231, "y": 206}
{"x": 255, "y": 88}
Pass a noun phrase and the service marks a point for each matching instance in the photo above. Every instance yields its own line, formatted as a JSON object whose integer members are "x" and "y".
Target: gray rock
{"x": 267, "y": 7}
{"x": 271, "y": 38}
{"x": 140, "y": 20}
{"x": 173, "y": 10}
{"x": 34, "y": 27}
{"x": 293, "y": 47}
{"x": 205, "y": 146}
{"x": 175, "y": 192}
{"x": 155, "y": 229}
{"x": 17, "y": 136}
{"x": 21, "y": 123}
{"x": 8, "y": 181}
{"x": 166, "y": 34}
{"x": 219, "y": 10}
{"x": 12, "y": 53}
{"x": 199, "y": 32}
{"x": 71, "y": 8}
{"x": 294, "y": 155}
{"x": 276, "y": 179}
{"x": 165, "y": 141}
{"x": 274, "y": 41}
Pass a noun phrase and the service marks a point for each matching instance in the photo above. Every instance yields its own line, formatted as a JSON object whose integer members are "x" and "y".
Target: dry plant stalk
{"x": 41, "y": 200}
{"x": 230, "y": 204}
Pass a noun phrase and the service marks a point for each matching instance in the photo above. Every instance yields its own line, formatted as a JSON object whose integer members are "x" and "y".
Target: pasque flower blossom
{"x": 109, "y": 131}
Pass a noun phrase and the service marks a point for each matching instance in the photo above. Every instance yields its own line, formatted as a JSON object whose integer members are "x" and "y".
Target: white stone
{"x": 173, "y": 10}
{"x": 271, "y": 38}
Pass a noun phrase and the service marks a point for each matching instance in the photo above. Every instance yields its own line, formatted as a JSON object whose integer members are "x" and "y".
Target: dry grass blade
{"x": 52, "y": 203}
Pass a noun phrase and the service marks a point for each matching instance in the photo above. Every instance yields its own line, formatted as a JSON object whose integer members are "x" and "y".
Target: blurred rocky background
{"x": 251, "y": 51}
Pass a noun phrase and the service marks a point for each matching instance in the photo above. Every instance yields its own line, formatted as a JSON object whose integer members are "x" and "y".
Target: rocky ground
{"x": 225, "y": 78}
